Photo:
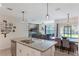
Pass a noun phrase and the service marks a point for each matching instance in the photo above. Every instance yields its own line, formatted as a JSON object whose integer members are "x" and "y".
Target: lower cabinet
{"x": 22, "y": 50}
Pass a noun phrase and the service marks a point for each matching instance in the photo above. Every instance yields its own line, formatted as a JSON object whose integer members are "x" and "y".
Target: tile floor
{"x": 7, "y": 52}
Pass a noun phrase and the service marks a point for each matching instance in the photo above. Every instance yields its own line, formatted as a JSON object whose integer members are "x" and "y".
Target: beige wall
{"x": 21, "y": 31}
{"x": 5, "y": 42}
{"x": 74, "y": 22}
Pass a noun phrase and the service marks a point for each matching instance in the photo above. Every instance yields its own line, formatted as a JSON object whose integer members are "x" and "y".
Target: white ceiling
{"x": 37, "y": 11}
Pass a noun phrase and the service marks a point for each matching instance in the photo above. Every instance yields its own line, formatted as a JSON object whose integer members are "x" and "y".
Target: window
{"x": 67, "y": 31}
{"x": 50, "y": 29}
{"x": 70, "y": 32}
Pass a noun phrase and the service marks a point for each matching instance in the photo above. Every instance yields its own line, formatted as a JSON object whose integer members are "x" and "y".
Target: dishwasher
{"x": 13, "y": 48}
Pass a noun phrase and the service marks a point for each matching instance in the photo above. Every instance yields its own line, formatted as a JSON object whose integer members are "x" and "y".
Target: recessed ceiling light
{"x": 57, "y": 9}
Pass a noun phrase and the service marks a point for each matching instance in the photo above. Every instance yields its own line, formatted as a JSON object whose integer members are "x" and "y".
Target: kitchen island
{"x": 38, "y": 47}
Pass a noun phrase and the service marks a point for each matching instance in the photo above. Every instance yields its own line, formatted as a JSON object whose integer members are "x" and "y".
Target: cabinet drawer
{"x": 22, "y": 50}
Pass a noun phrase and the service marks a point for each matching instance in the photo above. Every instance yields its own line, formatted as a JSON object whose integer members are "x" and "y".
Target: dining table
{"x": 74, "y": 40}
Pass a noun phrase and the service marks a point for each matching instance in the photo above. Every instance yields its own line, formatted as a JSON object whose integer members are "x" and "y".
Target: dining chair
{"x": 66, "y": 45}
{"x": 58, "y": 45}
{"x": 73, "y": 47}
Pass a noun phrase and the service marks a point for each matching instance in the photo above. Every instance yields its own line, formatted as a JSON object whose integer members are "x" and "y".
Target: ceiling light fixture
{"x": 57, "y": 9}
{"x": 68, "y": 19}
{"x": 47, "y": 12}
{"x": 23, "y": 15}
{"x": 47, "y": 16}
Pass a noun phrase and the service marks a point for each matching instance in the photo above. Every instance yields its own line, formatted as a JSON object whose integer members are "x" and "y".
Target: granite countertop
{"x": 38, "y": 44}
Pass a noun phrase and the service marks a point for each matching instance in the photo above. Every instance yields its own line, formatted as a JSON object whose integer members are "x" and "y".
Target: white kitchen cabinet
{"x": 49, "y": 52}
{"x": 23, "y": 50}
{"x": 20, "y": 50}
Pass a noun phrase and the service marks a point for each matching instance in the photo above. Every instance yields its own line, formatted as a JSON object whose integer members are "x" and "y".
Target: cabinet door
{"x": 22, "y": 50}
{"x": 19, "y": 50}
{"x": 49, "y": 52}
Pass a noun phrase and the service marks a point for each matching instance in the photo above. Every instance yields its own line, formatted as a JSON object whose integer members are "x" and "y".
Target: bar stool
{"x": 74, "y": 47}
{"x": 66, "y": 45}
{"x": 58, "y": 45}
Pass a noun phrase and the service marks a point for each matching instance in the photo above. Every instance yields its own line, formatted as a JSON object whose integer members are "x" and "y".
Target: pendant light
{"x": 47, "y": 16}
{"x": 47, "y": 21}
{"x": 68, "y": 19}
{"x": 22, "y": 15}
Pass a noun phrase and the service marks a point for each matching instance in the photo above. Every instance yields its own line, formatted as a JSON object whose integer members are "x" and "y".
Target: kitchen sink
{"x": 27, "y": 41}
